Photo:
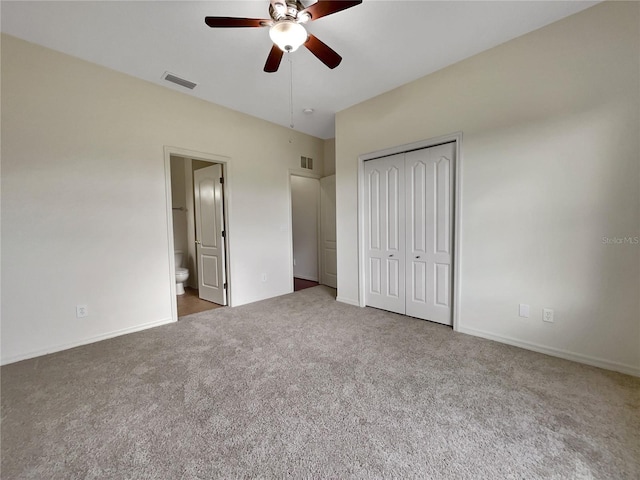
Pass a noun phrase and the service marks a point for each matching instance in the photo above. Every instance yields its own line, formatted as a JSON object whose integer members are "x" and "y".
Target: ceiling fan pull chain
{"x": 290, "y": 91}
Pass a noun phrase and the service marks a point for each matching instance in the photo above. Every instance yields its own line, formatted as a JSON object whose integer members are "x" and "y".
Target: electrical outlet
{"x": 82, "y": 311}
{"x": 264, "y": 277}
{"x": 523, "y": 310}
{"x": 547, "y": 315}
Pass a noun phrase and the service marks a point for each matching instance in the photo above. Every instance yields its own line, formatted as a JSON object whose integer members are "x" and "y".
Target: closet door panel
{"x": 385, "y": 230}
{"x": 417, "y": 234}
{"x": 443, "y": 190}
{"x": 418, "y": 282}
{"x": 429, "y": 199}
{"x": 442, "y": 282}
{"x": 393, "y": 279}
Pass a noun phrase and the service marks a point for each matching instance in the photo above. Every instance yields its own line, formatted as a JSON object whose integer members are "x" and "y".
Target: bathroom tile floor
{"x": 190, "y": 303}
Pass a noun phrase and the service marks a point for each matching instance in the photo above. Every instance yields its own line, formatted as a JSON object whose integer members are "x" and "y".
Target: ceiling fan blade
{"x": 327, "y": 7}
{"x": 234, "y": 22}
{"x": 324, "y": 53}
{"x": 273, "y": 60}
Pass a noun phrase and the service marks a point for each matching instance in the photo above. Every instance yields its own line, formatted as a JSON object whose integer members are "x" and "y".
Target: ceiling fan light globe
{"x": 288, "y": 35}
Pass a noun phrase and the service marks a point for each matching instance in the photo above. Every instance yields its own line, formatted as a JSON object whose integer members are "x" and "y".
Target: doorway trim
{"x": 298, "y": 172}
{"x": 457, "y": 212}
{"x": 226, "y": 188}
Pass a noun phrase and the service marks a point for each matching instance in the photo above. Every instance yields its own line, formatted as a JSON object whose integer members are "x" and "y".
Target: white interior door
{"x": 429, "y": 176}
{"x": 328, "y": 257}
{"x": 210, "y": 252}
{"x": 384, "y": 226}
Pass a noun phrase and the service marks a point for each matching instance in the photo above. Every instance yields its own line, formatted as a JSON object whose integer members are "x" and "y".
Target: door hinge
{"x": 225, "y": 285}
{"x": 224, "y": 234}
{"x": 221, "y": 180}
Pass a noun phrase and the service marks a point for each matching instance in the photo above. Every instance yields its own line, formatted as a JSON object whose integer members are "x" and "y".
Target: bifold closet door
{"x": 429, "y": 232}
{"x": 409, "y": 232}
{"x": 384, "y": 225}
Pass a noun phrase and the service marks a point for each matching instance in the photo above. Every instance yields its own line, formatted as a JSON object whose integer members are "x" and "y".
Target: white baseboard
{"x": 555, "y": 352}
{"x": 84, "y": 341}
{"x": 348, "y": 301}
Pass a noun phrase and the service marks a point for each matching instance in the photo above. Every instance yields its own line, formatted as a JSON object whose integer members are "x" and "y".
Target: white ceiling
{"x": 384, "y": 44}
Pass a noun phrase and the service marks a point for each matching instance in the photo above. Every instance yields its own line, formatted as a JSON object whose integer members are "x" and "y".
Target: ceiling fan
{"x": 287, "y": 31}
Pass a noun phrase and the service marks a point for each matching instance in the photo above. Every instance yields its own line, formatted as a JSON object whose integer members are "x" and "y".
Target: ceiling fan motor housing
{"x": 282, "y": 9}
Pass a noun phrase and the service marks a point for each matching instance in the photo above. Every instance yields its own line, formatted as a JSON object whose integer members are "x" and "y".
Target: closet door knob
{"x": 391, "y": 255}
{"x": 417, "y": 256}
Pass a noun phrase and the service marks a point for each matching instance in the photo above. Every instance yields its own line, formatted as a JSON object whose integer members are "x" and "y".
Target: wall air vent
{"x": 306, "y": 162}
{"x": 170, "y": 77}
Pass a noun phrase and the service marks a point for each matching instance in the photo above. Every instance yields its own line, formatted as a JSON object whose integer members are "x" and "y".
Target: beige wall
{"x": 198, "y": 164}
{"x": 550, "y": 166}
{"x": 329, "y": 159}
{"x": 84, "y": 216}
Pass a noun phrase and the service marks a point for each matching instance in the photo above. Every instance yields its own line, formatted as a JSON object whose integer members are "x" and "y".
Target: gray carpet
{"x": 301, "y": 386}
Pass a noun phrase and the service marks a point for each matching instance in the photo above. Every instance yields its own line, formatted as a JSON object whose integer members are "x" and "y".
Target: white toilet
{"x": 182, "y": 274}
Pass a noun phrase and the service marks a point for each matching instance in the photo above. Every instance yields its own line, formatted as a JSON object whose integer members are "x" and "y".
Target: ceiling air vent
{"x": 170, "y": 77}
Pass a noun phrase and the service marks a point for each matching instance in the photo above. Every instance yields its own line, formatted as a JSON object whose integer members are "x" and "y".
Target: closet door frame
{"x": 456, "y": 138}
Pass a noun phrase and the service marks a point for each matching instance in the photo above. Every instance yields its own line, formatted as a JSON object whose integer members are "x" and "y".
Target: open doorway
{"x": 198, "y": 233}
{"x": 305, "y": 214}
